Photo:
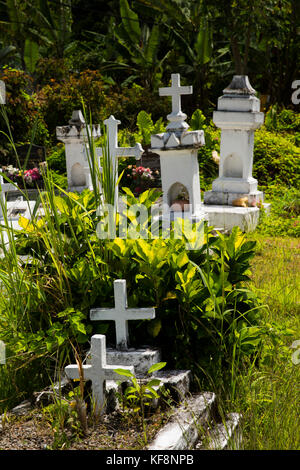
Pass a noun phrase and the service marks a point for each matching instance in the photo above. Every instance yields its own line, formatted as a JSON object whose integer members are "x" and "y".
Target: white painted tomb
{"x": 238, "y": 116}
{"x": 75, "y": 138}
{"x": 98, "y": 371}
{"x": 178, "y": 151}
{"x": 114, "y": 151}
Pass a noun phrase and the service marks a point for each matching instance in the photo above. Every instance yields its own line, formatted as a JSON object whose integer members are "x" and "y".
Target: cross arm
{"x": 140, "y": 313}
{"x": 135, "y": 151}
{"x": 72, "y": 371}
{"x": 103, "y": 314}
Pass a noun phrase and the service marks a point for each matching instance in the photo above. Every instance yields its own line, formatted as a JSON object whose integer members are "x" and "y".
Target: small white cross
{"x": 114, "y": 150}
{"x": 2, "y": 92}
{"x": 176, "y": 91}
{"x": 98, "y": 371}
{"x": 121, "y": 314}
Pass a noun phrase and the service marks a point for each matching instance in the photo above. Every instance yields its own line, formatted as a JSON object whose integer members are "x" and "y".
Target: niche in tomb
{"x": 178, "y": 198}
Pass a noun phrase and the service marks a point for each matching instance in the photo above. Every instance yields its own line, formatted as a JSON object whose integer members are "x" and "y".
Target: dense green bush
{"x": 56, "y": 158}
{"x": 26, "y": 120}
{"x": 58, "y": 99}
{"x": 276, "y": 159}
{"x": 284, "y": 120}
{"x": 202, "y": 309}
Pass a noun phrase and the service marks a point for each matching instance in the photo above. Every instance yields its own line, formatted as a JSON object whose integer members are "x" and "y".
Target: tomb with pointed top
{"x": 178, "y": 151}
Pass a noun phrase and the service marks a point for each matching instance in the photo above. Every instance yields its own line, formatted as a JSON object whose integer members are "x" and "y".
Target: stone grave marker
{"x": 115, "y": 151}
{"x": 238, "y": 116}
{"x": 178, "y": 151}
{"x": 234, "y": 196}
{"x": 98, "y": 371}
{"x": 121, "y": 314}
{"x": 75, "y": 138}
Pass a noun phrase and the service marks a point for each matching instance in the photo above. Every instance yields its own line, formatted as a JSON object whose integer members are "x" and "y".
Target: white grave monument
{"x": 178, "y": 151}
{"x": 98, "y": 371}
{"x": 238, "y": 116}
{"x": 143, "y": 358}
{"x": 114, "y": 151}
{"x": 75, "y": 139}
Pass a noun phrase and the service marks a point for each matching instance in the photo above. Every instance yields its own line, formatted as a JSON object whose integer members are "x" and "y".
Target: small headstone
{"x": 2, "y": 92}
{"x": 97, "y": 371}
{"x": 37, "y": 154}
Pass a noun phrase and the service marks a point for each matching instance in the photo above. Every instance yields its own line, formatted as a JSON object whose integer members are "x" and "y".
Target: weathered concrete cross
{"x": 98, "y": 371}
{"x": 2, "y": 92}
{"x": 121, "y": 314}
{"x": 114, "y": 150}
{"x": 177, "y": 116}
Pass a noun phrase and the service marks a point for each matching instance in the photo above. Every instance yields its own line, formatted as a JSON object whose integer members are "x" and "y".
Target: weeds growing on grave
{"x": 139, "y": 396}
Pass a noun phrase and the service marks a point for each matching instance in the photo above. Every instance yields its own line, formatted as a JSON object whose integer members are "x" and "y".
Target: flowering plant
{"x": 139, "y": 176}
{"x": 30, "y": 178}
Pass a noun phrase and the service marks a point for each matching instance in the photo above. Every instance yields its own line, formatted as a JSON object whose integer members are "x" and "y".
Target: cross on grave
{"x": 98, "y": 371}
{"x": 121, "y": 314}
{"x": 177, "y": 117}
{"x": 115, "y": 151}
{"x": 2, "y": 92}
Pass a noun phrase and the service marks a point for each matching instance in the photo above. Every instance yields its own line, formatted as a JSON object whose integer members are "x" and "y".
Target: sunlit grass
{"x": 268, "y": 395}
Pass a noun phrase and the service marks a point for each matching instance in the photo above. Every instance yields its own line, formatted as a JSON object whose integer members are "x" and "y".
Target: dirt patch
{"x": 113, "y": 432}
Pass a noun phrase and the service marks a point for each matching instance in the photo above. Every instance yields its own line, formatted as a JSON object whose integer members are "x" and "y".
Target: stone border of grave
{"x": 193, "y": 426}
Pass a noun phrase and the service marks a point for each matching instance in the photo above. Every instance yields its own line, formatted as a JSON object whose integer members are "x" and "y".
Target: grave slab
{"x": 141, "y": 359}
{"x": 227, "y": 217}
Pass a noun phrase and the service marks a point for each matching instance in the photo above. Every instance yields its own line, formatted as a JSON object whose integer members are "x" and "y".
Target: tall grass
{"x": 268, "y": 395}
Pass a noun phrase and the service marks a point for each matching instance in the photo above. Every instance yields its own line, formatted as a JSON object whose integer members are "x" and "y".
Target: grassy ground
{"x": 268, "y": 396}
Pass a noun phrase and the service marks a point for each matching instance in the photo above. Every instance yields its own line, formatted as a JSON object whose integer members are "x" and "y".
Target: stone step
{"x": 141, "y": 359}
{"x": 182, "y": 432}
{"x": 223, "y": 436}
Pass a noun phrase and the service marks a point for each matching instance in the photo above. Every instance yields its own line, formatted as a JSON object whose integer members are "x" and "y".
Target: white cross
{"x": 114, "y": 150}
{"x": 98, "y": 371}
{"x": 176, "y": 91}
{"x": 121, "y": 314}
{"x": 2, "y": 93}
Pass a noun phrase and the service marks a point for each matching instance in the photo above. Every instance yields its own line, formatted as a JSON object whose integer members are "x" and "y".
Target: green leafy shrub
{"x": 23, "y": 112}
{"x": 59, "y": 99}
{"x": 56, "y": 159}
{"x": 285, "y": 120}
{"x": 276, "y": 159}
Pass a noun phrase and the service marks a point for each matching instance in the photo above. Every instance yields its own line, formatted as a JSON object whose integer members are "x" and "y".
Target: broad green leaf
{"x": 124, "y": 372}
{"x": 130, "y": 21}
{"x": 156, "y": 367}
{"x": 31, "y": 55}
{"x": 144, "y": 121}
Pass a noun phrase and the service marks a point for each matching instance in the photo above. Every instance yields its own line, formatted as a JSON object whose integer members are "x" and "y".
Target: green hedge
{"x": 276, "y": 159}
